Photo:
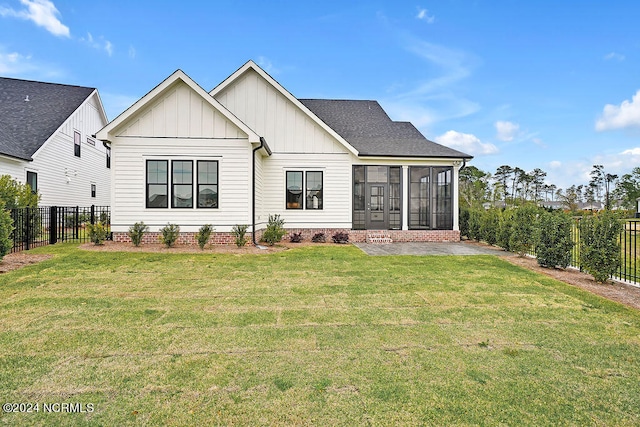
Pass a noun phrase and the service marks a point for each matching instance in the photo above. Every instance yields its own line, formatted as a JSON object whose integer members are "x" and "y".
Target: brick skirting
{"x": 355, "y": 236}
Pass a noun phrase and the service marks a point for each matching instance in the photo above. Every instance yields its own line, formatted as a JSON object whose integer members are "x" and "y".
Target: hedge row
{"x": 532, "y": 230}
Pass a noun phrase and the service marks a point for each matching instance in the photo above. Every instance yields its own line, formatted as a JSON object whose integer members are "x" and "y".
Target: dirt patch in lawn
{"x": 18, "y": 260}
{"x": 620, "y": 292}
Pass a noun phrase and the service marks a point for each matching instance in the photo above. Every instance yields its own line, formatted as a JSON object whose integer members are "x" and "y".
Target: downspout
{"x": 253, "y": 192}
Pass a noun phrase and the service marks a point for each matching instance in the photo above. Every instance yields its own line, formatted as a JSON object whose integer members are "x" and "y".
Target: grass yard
{"x": 311, "y": 336}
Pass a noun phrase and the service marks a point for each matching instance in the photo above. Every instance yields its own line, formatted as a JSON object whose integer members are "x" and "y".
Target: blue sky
{"x": 545, "y": 84}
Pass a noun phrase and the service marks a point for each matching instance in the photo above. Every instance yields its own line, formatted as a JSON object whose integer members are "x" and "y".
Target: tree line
{"x": 515, "y": 186}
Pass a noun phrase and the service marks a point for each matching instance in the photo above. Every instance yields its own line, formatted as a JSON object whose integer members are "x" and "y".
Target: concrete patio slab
{"x": 415, "y": 248}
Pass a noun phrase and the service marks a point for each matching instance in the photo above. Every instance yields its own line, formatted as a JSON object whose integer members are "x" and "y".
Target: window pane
{"x": 182, "y": 172}
{"x": 32, "y": 180}
{"x": 182, "y": 196}
{"x": 358, "y": 174}
{"x": 157, "y": 196}
{"x": 207, "y": 172}
{"x": 377, "y": 173}
{"x": 419, "y": 207}
{"x": 294, "y": 190}
{"x": 157, "y": 171}
{"x": 207, "y": 196}
{"x": 314, "y": 190}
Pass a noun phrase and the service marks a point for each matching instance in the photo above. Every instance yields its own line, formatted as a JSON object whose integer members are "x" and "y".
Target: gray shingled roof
{"x": 368, "y": 128}
{"x": 26, "y": 125}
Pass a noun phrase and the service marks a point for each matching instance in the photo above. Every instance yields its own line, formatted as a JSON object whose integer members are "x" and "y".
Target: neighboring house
{"x": 249, "y": 148}
{"x": 46, "y": 141}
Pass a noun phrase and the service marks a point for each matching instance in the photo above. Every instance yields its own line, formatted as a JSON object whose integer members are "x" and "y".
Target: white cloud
{"x": 555, "y": 164}
{"x": 466, "y": 142}
{"x": 620, "y": 116}
{"x": 108, "y": 47}
{"x": 43, "y": 13}
{"x": 632, "y": 152}
{"x": 132, "y": 52}
{"x": 100, "y": 44}
{"x": 506, "y": 130}
{"x": 614, "y": 55}
{"x": 24, "y": 66}
{"x": 423, "y": 15}
{"x": 266, "y": 64}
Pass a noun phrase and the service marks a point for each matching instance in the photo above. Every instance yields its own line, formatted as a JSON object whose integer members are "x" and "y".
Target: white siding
{"x": 336, "y": 168}
{"x": 63, "y": 178}
{"x": 270, "y": 114}
{"x": 14, "y": 168}
{"x": 129, "y": 183}
{"x": 180, "y": 112}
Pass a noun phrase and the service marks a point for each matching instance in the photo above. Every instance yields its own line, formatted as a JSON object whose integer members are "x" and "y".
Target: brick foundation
{"x": 355, "y": 236}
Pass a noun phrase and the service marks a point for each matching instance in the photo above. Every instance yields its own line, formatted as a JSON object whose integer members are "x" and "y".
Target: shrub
{"x": 523, "y": 232}
{"x": 599, "y": 246}
{"x": 170, "y": 234}
{"x": 319, "y": 238}
{"x": 6, "y": 227}
{"x": 505, "y": 225}
{"x": 340, "y": 237}
{"x": 475, "y": 217}
{"x": 464, "y": 222}
{"x": 136, "y": 232}
{"x": 97, "y": 233}
{"x": 239, "y": 232}
{"x": 203, "y": 235}
{"x": 275, "y": 231}
{"x": 553, "y": 239}
{"x": 489, "y": 226}
{"x": 296, "y": 237}
{"x": 16, "y": 195}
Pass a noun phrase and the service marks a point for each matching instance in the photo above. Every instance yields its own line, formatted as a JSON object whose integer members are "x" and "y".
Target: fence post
{"x": 27, "y": 229}
{"x": 53, "y": 225}
{"x": 93, "y": 214}
{"x": 77, "y": 223}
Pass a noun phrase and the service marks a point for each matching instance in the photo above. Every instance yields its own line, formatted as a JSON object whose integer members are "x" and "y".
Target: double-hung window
{"x": 157, "y": 183}
{"x": 304, "y": 190}
{"x": 76, "y": 143}
{"x": 207, "y": 184}
{"x": 182, "y": 184}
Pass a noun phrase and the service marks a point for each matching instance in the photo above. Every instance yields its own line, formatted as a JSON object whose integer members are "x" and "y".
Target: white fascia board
{"x": 252, "y": 65}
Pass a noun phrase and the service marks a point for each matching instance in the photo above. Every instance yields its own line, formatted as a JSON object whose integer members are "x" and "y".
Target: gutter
{"x": 263, "y": 143}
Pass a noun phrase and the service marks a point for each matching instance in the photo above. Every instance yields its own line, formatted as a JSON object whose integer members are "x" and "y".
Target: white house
{"x": 249, "y": 148}
{"x": 46, "y": 141}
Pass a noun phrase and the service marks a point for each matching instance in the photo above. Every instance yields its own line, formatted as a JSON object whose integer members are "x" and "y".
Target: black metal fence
{"x": 34, "y": 227}
{"x": 629, "y": 250}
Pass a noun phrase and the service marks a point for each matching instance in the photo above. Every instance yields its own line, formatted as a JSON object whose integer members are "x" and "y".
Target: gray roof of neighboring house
{"x": 368, "y": 128}
{"x": 26, "y": 125}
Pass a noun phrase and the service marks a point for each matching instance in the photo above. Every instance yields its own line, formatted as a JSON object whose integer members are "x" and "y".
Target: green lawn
{"x": 311, "y": 336}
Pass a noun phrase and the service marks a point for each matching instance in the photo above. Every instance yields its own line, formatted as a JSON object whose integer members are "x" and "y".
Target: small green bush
{"x": 463, "y": 222}
{"x": 523, "y": 231}
{"x": 599, "y": 245}
{"x": 97, "y": 233}
{"x": 505, "y": 225}
{"x": 274, "y": 231}
{"x": 553, "y": 239}
{"x": 239, "y": 232}
{"x": 136, "y": 232}
{"x": 6, "y": 228}
{"x": 203, "y": 235}
{"x": 489, "y": 222}
{"x": 170, "y": 234}
{"x": 475, "y": 220}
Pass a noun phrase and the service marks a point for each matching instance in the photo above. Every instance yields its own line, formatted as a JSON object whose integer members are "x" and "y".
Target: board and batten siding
{"x": 180, "y": 113}
{"x": 286, "y": 128}
{"x": 63, "y": 178}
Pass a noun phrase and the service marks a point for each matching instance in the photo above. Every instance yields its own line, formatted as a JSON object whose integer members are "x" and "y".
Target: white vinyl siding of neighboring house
{"x": 63, "y": 178}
